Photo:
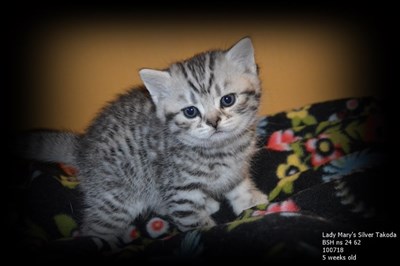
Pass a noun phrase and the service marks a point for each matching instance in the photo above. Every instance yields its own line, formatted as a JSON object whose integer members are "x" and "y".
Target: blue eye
{"x": 190, "y": 112}
{"x": 228, "y": 100}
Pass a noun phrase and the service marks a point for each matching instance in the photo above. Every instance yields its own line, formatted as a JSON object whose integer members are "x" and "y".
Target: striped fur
{"x": 142, "y": 154}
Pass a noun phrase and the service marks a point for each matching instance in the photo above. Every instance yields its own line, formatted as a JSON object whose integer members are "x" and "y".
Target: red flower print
{"x": 131, "y": 233}
{"x": 274, "y": 207}
{"x": 323, "y": 150}
{"x": 352, "y": 104}
{"x": 284, "y": 206}
{"x": 156, "y": 227}
{"x": 68, "y": 169}
{"x": 280, "y": 140}
{"x": 134, "y": 234}
{"x": 289, "y": 206}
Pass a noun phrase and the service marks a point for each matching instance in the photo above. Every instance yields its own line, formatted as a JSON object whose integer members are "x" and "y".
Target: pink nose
{"x": 213, "y": 121}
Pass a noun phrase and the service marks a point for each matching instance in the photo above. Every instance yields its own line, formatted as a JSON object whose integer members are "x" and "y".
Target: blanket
{"x": 322, "y": 166}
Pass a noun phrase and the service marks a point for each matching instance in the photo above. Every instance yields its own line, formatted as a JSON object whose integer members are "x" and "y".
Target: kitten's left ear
{"x": 243, "y": 53}
{"x": 156, "y": 82}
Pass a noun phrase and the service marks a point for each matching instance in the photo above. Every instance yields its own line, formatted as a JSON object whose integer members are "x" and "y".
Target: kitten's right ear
{"x": 243, "y": 53}
{"x": 156, "y": 82}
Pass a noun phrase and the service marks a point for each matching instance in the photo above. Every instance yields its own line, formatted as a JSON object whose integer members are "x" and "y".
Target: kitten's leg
{"x": 245, "y": 195}
{"x": 212, "y": 206}
{"x": 189, "y": 210}
{"x": 108, "y": 218}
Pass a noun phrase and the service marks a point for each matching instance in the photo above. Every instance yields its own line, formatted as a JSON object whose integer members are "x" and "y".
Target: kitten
{"x": 174, "y": 149}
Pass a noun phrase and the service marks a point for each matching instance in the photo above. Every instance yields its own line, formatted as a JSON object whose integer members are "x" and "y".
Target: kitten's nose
{"x": 213, "y": 121}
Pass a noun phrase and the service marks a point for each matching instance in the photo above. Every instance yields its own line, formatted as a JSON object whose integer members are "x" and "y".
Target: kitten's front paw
{"x": 208, "y": 222}
{"x": 204, "y": 221}
{"x": 212, "y": 206}
{"x": 109, "y": 244}
{"x": 245, "y": 200}
{"x": 258, "y": 198}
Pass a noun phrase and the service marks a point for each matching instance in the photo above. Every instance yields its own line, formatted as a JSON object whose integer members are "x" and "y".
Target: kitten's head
{"x": 209, "y": 99}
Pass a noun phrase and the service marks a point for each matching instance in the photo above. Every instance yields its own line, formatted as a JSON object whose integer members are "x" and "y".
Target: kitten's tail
{"x": 48, "y": 146}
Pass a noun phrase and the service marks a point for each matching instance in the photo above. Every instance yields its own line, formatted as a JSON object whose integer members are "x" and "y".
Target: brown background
{"x": 76, "y": 66}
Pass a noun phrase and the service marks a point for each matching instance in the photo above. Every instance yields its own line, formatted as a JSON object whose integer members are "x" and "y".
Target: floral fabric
{"x": 316, "y": 164}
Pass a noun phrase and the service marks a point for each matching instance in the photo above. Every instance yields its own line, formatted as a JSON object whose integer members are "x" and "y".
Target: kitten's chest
{"x": 217, "y": 170}
{"x": 226, "y": 174}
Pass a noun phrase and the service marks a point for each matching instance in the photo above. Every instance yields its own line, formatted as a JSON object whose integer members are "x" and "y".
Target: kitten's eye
{"x": 190, "y": 112}
{"x": 228, "y": 100}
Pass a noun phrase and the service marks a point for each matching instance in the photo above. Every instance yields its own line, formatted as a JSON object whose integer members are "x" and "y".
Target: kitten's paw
{"x": 258, "y": 198}
{"x": 208, "y": 222}
{"x": 203, "y": 222}
{"x": 212, "y": 206}
{"x": 108, "y": 245}
{"x": 245, "y": 201}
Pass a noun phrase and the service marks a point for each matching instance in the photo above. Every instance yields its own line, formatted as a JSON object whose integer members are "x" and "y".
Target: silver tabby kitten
{"x": 175, "y": 150}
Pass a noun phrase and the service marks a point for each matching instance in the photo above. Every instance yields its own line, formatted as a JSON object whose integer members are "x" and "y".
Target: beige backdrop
{"x": 78, "y": 65}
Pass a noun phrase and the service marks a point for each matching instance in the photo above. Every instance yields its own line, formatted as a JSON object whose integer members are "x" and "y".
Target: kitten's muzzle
{"x": 213, "y": 121}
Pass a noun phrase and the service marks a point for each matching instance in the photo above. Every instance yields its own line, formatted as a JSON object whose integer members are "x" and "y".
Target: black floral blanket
{"x": 322, "y": 165}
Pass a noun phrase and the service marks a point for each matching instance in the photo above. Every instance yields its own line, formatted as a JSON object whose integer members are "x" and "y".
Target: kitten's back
{"x": 125, "y": 131}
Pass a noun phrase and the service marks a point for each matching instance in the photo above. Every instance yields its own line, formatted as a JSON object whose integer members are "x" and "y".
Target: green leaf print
{"x": 296, "y": 121}
{"x": 298, "y": 150}
{"x": 35, "y": 231}
{"x": 309, "y": 120}
{"x": 65, "y": 224}
{"x": 354, "y": 130}
{"x": 274, "y": 193}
